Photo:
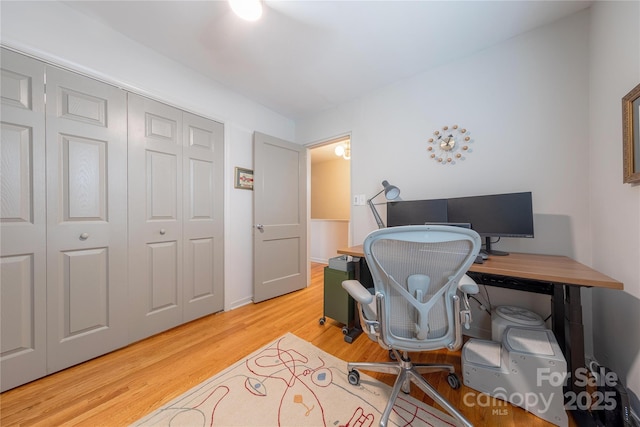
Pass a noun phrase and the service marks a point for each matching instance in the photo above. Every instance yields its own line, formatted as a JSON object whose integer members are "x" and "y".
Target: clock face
{"x": 449, "y": 145}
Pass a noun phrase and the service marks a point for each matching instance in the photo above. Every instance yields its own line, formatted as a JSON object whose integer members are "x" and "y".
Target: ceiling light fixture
{"x": 343, "y": 150}
{"x": 249, "y": 10}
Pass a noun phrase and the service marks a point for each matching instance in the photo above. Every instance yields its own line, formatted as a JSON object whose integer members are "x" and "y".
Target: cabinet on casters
{"x": 338, "y": 304}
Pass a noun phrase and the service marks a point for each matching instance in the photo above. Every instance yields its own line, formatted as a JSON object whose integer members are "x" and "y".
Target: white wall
{"x": 525, "y": 102}
{"x": 327, "y": 236}
{"x": 54, "y": 32}
{"x": 615, "y": 207}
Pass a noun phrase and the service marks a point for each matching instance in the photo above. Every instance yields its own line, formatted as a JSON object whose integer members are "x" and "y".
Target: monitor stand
{"x": 487, "y": 249}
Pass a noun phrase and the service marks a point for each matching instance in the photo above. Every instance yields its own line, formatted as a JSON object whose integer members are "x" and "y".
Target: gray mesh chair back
{"x": 416, "y": 270}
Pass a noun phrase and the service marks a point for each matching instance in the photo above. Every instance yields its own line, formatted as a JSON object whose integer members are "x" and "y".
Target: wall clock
{"x": 449, "y": 145}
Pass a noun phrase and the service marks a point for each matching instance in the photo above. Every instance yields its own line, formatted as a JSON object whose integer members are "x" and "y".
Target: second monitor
{"x": 416, "y": 212}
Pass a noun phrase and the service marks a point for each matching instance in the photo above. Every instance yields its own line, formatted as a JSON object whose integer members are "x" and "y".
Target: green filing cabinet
{"x": 338, "y": 304}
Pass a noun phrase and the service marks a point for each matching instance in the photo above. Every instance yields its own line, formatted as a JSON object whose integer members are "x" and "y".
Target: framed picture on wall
{"x": 244, "y": 179}
{"x": 631, "y": 136}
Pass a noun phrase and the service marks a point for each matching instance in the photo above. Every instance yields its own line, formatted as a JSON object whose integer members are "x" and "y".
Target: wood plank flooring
{"x": 121, "y": 387}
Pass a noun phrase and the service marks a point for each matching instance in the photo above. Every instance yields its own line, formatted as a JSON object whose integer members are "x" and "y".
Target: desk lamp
{"x": 391, "y": 192}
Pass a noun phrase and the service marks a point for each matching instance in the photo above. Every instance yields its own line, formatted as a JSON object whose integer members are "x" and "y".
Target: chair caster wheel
{"x": 322, "y": 320}
{"x": 354, "y": 377}
{"x": 454, "y": 381}
{"x": 392, "y": 355}
{"x": 345, "y": 330}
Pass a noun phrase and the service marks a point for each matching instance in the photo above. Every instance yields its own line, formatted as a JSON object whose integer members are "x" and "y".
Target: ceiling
{"x": 306, "y": 56}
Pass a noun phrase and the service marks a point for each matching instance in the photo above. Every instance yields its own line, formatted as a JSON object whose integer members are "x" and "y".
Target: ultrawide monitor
{"x": 497, "y": 215}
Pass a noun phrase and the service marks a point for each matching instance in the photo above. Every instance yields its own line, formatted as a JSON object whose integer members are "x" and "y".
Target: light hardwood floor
{"x": 121, "y": 387}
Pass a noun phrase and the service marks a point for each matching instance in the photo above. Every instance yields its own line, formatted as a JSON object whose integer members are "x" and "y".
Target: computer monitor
{"x": 416, "y": 212}
{"x": 497, "y": 215}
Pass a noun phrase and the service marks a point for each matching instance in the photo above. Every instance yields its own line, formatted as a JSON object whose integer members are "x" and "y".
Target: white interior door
{"x": 155, "y": 216}
{"x": 86, "y": 137}
{"x": 280, "y": 217}
{"x": 22, "y": 222}
{"x": 203, "y": 175}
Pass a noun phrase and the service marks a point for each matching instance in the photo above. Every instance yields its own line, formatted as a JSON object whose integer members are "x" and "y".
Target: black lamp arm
{"x": 377, "y": 194}
{"x": 376, "y": 215}
{"x": 390, "y": 192}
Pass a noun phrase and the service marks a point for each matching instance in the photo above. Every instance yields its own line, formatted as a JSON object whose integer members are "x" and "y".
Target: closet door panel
{"x": 87, "y": 213}
{"x": 22, "y": 221}
{"x": 163, "y": 268}
{"x": 155, "y": 216}
{"x": 203, "y": 222}
{"x": 84, "y": 187}
{"x": 17, "y": 299}
{"x": 85, "y": 291}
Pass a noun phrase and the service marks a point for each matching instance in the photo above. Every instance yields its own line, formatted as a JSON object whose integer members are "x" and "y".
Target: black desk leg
{"x": 557, "y": 317}
{"x": 574, "y": 352}
{"x": 568, "y": 329}
{"x": 576, "y": 335}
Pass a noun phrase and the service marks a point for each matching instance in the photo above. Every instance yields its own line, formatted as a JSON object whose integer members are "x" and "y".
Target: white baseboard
{"x": 239, "y": 303}
{"x": 319, "y": 260}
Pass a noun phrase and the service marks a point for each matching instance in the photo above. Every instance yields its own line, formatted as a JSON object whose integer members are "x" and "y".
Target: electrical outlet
{"x": 359, "y": 200}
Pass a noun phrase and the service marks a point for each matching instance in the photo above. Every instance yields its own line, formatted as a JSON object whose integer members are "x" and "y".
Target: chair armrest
{"x": 357, "y": 291}
{"x": 468, "y": 286}
{"x": 363, "y": 297}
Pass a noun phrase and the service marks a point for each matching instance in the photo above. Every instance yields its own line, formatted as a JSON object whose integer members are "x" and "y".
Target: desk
{"x": 558, "y": 276}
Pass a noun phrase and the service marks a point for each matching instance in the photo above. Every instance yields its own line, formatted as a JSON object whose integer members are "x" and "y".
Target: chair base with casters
{"x": 408, "y": 372}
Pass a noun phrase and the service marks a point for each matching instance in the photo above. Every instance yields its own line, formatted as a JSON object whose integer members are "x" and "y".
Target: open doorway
{"x": 330, "y": 209}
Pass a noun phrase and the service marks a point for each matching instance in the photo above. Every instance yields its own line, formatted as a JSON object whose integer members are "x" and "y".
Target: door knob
{"x": 163, "y": 231}
{"x": 84, "y": 236}
{"x": 260, "y": 227}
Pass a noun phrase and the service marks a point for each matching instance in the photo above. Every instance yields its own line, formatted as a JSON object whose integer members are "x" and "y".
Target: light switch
{"x": 359, "y": 200}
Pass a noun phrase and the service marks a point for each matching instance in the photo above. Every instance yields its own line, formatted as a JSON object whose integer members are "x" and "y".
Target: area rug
{"x": 290, "y": 382}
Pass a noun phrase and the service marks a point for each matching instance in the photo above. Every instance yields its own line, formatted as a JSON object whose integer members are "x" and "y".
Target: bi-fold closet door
{"x": 106, "y": 237}
{"x": 86, "y": 138}
{"x": 63, "y": 222}
{"x": 23, "y": 232}
{"x": 175, "y": 216}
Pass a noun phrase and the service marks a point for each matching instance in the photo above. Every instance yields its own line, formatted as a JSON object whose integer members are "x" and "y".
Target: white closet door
{"x": 86, "y": 218}
{"x": 203, "y": 141}
{"x": 22, "y": 221}
{"x": 155, "y": 216}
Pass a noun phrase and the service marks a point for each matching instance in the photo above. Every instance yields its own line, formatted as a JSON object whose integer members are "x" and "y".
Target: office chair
{"x": 417, "y": 271}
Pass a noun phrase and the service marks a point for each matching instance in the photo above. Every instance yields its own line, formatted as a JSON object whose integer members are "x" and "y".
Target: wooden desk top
{"x": 548, "y": 268}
